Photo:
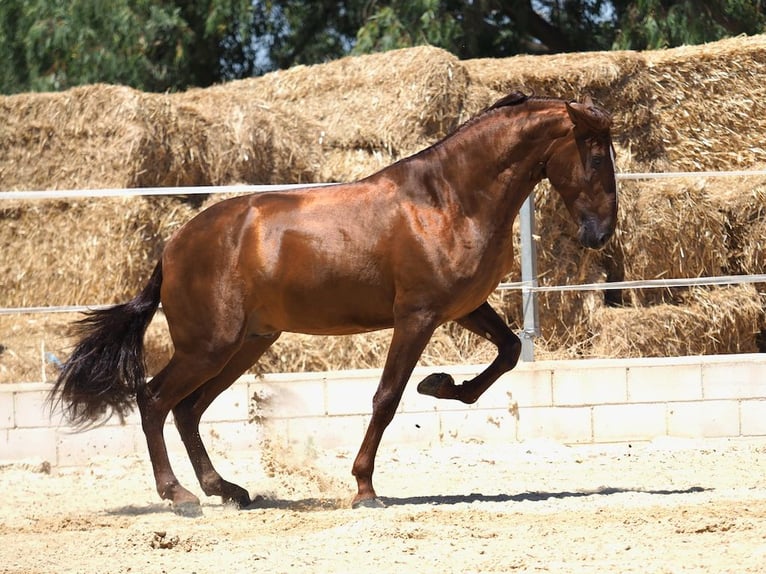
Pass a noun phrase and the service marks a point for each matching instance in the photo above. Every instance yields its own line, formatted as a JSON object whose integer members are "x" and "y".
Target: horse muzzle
{"x": 594, "y": 234}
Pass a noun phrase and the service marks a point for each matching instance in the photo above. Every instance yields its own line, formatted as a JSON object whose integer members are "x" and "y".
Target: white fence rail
{"x": 528, "y": 285}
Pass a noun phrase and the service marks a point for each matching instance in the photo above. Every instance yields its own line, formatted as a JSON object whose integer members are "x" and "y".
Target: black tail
{"x": 101, "y": 376}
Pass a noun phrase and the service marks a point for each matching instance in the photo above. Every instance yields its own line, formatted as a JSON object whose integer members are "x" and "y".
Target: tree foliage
{"x": 653, "y": 24}
{"x": 161, "y": 45}
{"x": 148, "y": 44}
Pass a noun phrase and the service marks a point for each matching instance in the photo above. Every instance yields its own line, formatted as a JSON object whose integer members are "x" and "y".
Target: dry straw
{"x": 709, "y": 104}
{"x": 710, "y": 321}
{"x": 689, "y": 108}
{"x": 90, "y": 137}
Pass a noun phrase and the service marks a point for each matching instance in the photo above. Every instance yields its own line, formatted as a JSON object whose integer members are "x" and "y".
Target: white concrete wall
{"x": 586, "y": 401}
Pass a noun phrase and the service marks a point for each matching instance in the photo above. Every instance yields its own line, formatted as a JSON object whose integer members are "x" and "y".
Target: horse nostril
{"x": 593, "y": 238}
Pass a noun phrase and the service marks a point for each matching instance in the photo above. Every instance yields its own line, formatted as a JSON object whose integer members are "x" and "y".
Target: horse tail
{"x": 106, "y": 368}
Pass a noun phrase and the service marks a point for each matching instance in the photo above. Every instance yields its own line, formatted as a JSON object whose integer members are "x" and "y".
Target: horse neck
{"x": 502, "y": 156}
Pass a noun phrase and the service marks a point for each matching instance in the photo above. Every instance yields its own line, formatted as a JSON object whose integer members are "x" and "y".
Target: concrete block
{"x": 594, "y": 386}
{"x": 173, "y": 441}
{"x": 479, "y": 425}
{"x": 682, "y": 382}
{"x": 230, "y": 405}
{"x": 227, "y": 437}
{"x": 76, "y": 449}
{"x": 734, "y": 380}
{"x": 7, "y": 420}
{"x": 619, "y": 423}
{"x": 528, "y": 387}
{"x": 300, "y": 398}
{"x": 32, "y": 410}
{"x": 414, "y": 402}
{"x": 703, "y": 419}
{"x": 351, "y": 395}
{"x": 563, "y": 424}
{"x": 28, "y": 443}
{"x": 327, "y": 432}
{"x": 411, "y": 429}
{"x": 753, "y": 417}
{"x": 521, "y": 386}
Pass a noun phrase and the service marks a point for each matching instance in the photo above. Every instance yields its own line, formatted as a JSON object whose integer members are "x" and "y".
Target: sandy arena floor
{"x": 667, "y": 506}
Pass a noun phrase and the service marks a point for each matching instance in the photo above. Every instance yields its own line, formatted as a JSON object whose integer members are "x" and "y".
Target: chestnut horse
{"x": 422, "y": 242}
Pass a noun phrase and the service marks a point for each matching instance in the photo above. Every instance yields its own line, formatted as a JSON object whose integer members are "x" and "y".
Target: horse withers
{"x": 420, "y": 243}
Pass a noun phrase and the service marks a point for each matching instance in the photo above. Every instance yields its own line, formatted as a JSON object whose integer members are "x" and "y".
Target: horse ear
{"x": 589, "y": 116}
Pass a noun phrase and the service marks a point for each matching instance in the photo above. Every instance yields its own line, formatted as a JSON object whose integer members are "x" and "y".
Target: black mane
{"x": 512, "y": 99}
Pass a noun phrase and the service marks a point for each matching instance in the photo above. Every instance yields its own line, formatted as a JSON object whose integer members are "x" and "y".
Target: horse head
{"x": 581, "y": 169}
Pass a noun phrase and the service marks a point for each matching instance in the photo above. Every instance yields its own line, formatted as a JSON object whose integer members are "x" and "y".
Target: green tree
{"x": 652, "y": 24}
{"x": 148, "y": 44}
{"x": 490, "y": 28}
{"x": 161, "y": 45}
{"x": 493, "y": 28}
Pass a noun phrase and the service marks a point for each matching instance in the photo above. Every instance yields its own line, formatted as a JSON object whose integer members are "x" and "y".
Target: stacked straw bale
{"x": 83, "y": 252}
{"x": 95, "y": 136}
{"x": 691, "y": 108}
{"x": 393, "y": 101}
{"x": 366, "y": 112}
{"x": 616, "y": 80}
{"x": 710, "y": 321}
{"x": 709, "y": 104}
{"x": 239, "y": 138}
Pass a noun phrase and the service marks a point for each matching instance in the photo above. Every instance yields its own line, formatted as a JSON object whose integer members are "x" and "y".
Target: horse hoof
{"x": 436, "y": 385}
{"x": 368, "y": 503}
{"x": 241, "y": 501}
{"x": 187, "y": 509}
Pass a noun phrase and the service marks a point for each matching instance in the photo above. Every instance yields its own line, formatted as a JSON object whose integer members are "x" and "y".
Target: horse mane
{"x": 512, "y": 99}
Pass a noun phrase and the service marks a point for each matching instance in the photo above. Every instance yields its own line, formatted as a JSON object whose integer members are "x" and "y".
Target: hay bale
{"x": 237, "y": 137}
{"x": 616, "y": 80}
{"x": 31, "y": 346}
{"x": 83, "y": 252}
{"x": 396, "y": 102}
{"x": 709, "y": 103}
{"x": 669, "y": 229}
{"x": 743, "y": 200}
{"x": 709, "y": 321}
{"x": 92, "y": 137}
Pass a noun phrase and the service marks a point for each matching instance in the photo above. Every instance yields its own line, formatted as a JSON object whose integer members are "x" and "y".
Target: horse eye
{"x": 596, "y": 161}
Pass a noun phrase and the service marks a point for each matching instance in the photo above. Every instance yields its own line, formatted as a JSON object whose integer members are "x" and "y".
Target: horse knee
{"x": 384, "y": 404}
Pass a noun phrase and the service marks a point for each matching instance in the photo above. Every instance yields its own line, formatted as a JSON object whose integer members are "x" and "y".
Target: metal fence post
{"x": 528, "y": 279}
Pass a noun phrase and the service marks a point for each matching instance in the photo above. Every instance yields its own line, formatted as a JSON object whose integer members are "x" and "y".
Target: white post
{"x": 529, "y": 279}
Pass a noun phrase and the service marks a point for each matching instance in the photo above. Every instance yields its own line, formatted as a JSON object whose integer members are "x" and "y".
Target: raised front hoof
{"x": 368, "y": 503}
{"x": 439, "y": 385}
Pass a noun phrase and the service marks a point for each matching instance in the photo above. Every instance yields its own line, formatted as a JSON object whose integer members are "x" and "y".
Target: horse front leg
{"x": 407, "y": 343}
{"x": 485, "y": 322}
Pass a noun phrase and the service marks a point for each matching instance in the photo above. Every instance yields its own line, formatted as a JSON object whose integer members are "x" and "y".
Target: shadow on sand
{"x": 316, "y": 504}
{"x": 452, "y": 499}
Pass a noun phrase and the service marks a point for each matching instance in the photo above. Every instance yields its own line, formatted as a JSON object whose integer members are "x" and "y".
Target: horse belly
{"x": 339, "y": 308}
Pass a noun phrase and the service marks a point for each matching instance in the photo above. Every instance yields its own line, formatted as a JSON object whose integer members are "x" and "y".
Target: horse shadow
{"x": 318, "y": 504}
{"x": 534, "y": 496}
{"x": 307, "y": 504}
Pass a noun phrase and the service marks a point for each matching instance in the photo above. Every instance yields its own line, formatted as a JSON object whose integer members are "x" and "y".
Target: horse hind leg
{"x": 180, "y": 377}
{"x": 485, "y": 322}
{"x": 188, "y": 412}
